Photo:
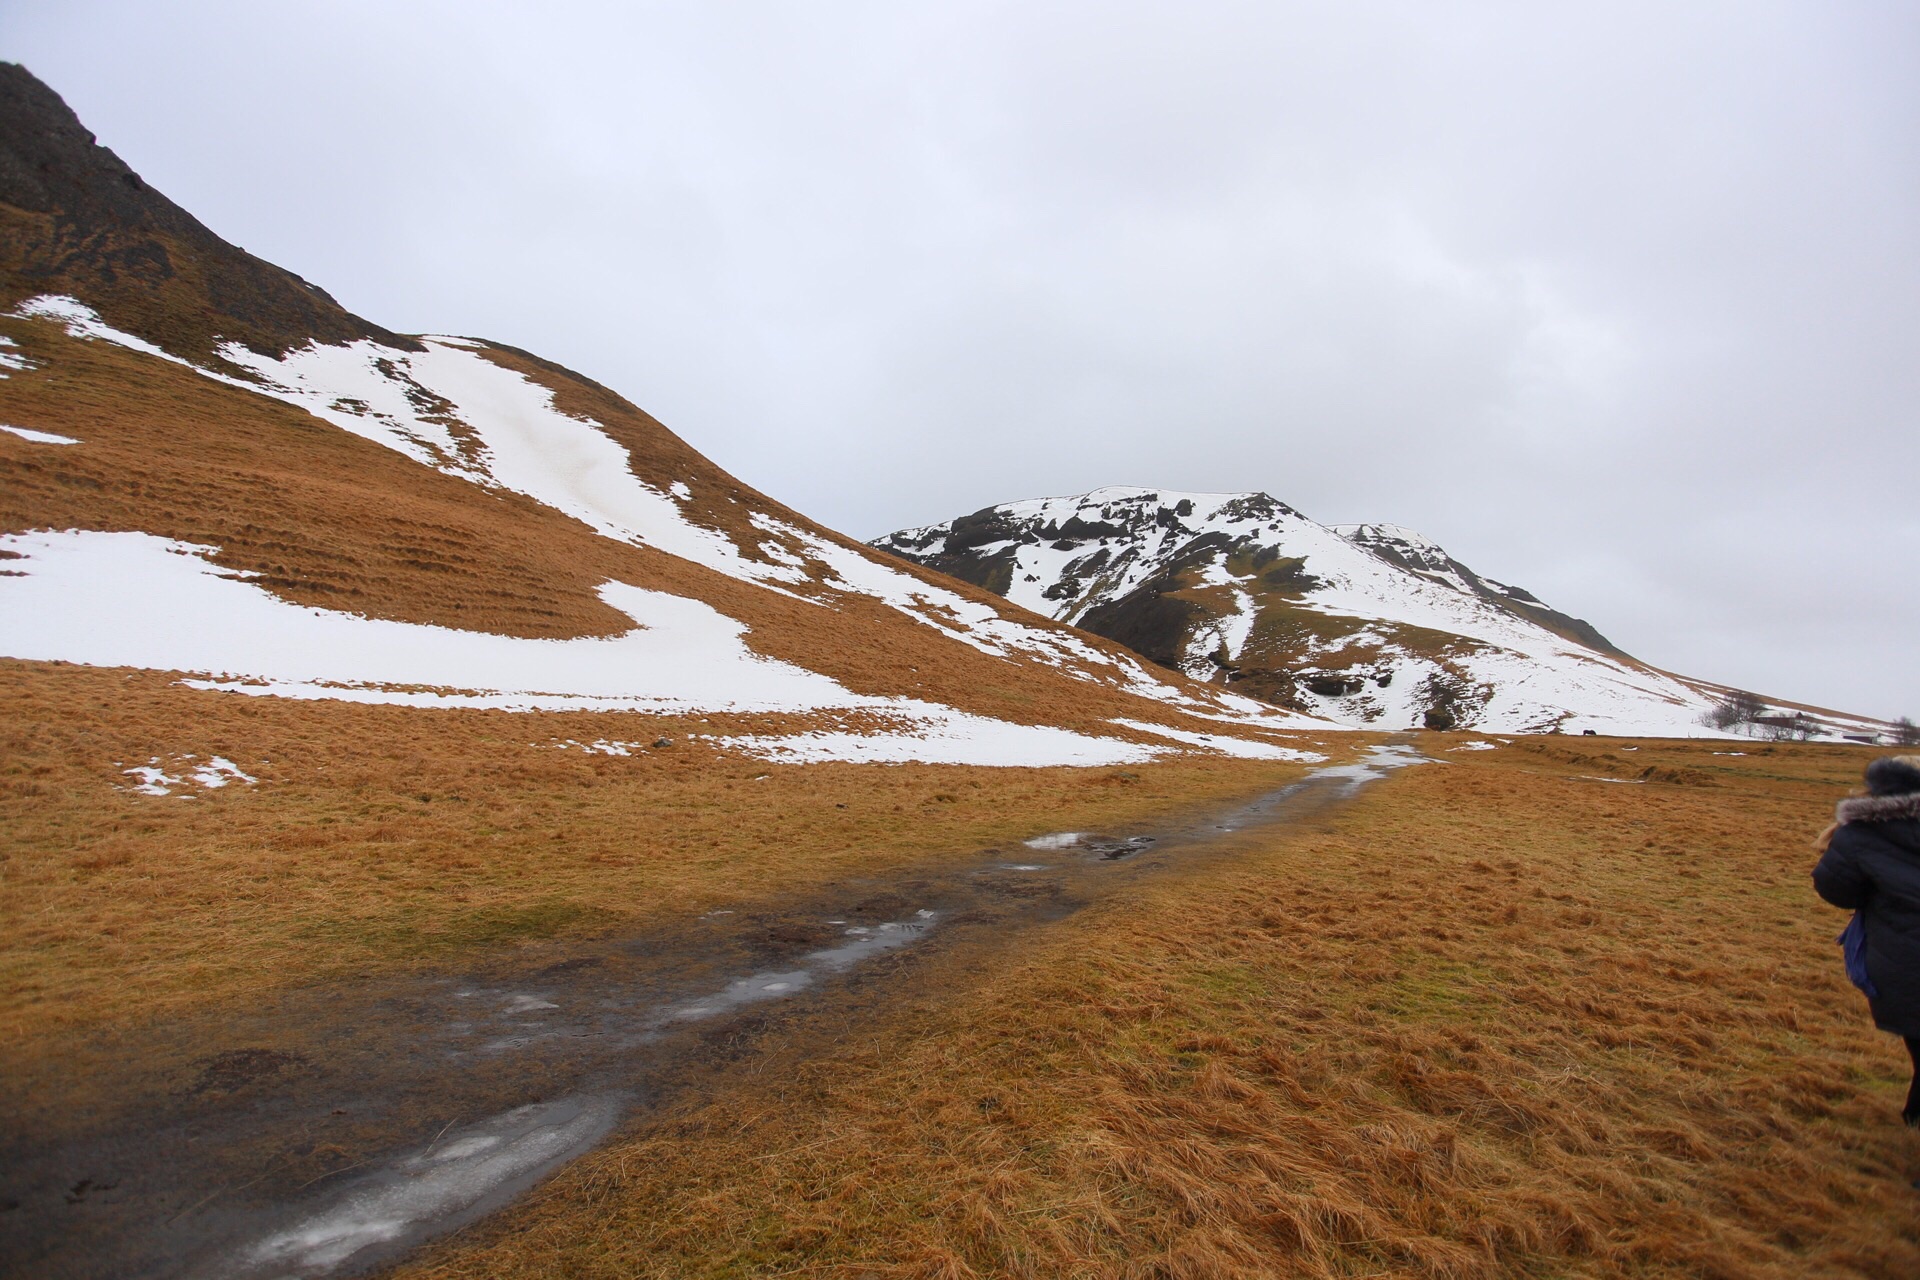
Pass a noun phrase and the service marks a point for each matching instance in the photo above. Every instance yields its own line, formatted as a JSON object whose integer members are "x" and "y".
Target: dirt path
{"x": 334, "y": 1130}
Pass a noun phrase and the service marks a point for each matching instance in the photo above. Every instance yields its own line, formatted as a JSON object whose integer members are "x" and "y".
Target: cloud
{"x": 1616, "y": 301}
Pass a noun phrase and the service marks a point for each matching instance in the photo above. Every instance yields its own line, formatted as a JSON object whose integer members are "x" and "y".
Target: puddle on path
{"x": 862, "y": 943}
{"x": 416, "y": 1107}
{"x": 1337, "y": 782}
{"x": 1105, "y": 848}
{"x": 461, "y": 1176}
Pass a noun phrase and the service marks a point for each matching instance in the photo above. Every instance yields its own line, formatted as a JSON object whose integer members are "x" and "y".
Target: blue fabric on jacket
{"x": 1872, "y": 865}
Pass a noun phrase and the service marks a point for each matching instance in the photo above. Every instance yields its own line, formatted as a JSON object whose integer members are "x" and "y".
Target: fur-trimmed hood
{"x": 1872, "y": 866}
{"x": 1878, "y": 808}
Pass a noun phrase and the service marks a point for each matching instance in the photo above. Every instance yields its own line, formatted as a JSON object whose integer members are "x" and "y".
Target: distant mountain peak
{"x": 1374, "y": 625}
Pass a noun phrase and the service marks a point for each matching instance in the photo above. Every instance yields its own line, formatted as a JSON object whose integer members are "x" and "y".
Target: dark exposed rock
{"x": 959, "y": 548}
{"x": 1269, "y": 685}
{"x": 75, "y": 219}
{"x": 914, "y": 539}
{"x": 1256, "y": 506}
{"x": 993, "y": 572}
{"x": 1290, "y": 574}
{"x": 1078, "y": 530}
{"x": 982, "y": 528}
{"x": 1198, "y": 549}
{"x": 1088, "y": 564}
{"x": 1146, "y": 620}
{"x": 1450, "y": 701}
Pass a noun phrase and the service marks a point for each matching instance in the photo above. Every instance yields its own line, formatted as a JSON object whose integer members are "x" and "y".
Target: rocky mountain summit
{"x": 1371, "y": 625}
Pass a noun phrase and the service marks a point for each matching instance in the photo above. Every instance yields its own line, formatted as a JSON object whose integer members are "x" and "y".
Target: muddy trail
{"x": 331, "y": 1131}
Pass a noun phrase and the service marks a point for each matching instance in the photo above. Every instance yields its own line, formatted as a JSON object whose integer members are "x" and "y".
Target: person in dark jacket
{"x": 1872, "y": 865}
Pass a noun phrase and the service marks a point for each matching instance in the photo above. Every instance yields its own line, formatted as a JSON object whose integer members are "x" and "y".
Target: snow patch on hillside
{"x": 153, "y": 778}
{"x": 12, "y": 361}
{"x": 1239, "y": 748}
{"x": 451, "y": 408}
{"x": 37, "y": 437}
{"x": 82, "y": 321}
{"x": 953, "y": 738}
{"x": 131, "y": 599}
{"x": 135, "y": 600}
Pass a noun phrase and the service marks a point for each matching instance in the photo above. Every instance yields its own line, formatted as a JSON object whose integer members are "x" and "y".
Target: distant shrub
{"x": 1797, "y": 727}
{"x": 1737, "y": 708}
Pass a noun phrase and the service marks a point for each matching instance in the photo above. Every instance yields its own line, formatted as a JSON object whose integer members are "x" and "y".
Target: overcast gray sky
{"x": 1620, "y": 302}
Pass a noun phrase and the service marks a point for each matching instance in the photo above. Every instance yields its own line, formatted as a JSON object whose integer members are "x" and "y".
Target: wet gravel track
{"x": 332, "y": 1130}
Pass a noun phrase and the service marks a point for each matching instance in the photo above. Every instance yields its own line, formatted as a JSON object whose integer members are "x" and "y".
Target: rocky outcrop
{"x": 76, "y": 220}
{"x": 1372, "y": 624}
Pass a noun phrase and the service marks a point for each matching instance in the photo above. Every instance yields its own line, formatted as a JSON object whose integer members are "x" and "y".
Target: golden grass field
{"x": 1496, "y": 1018}
{"x": 1565, "y": 1008}
{"x": 1499, "y": 1016}
{"x": 380, "y": 839}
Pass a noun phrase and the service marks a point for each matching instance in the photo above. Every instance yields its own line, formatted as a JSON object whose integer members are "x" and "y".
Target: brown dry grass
{"x": 1494, "y": 1019}
{"x": 384, "y": 837}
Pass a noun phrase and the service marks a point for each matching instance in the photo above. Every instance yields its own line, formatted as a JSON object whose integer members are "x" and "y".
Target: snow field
{"x": 1239, "y": 748}
{"x": 952, "y": 738}
{"x": 135, "y": 600}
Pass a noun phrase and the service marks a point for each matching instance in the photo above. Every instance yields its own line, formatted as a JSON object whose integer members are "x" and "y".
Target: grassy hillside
{"x": 379, "y": 839}
{"x": 1501, "y": 1017}
{"x": 331, "y": 520}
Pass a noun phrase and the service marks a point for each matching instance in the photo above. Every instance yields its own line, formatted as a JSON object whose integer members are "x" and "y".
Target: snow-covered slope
{"x": 209, "y": 466}
{"x": 136, "y": 599}
{"x": 1371, "y": 625}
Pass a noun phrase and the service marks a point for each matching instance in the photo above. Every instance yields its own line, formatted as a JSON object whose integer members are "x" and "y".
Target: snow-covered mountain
{"x": 208, "y": 466}
{"x": 1371, "y": 625}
